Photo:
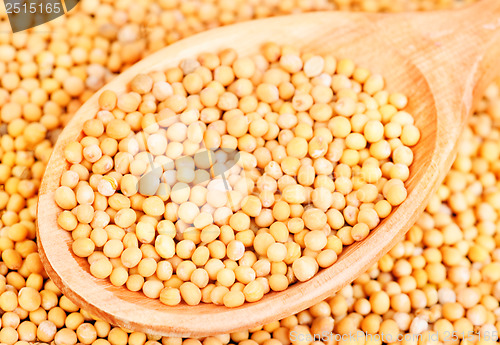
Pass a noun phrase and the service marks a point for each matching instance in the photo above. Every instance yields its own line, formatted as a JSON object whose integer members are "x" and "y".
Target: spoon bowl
{"x": 439, "y": 60}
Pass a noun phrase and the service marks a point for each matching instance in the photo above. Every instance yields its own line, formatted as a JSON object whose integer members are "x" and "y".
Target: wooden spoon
{"x": 441, "y": 60}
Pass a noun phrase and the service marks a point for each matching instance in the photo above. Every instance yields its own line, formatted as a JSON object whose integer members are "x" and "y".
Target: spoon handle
{"x": 482, "y": 38}
{"x": 458, "y": 52}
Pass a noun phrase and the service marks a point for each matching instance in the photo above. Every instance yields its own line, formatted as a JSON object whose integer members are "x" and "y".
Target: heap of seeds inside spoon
{"x": 227, "y": 177}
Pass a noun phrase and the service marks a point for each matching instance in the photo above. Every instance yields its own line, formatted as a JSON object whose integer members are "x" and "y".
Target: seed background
{"x": 443, "y": 278}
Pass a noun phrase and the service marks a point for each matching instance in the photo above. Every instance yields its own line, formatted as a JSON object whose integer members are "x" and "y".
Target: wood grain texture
{"x": 441, "y": 60}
